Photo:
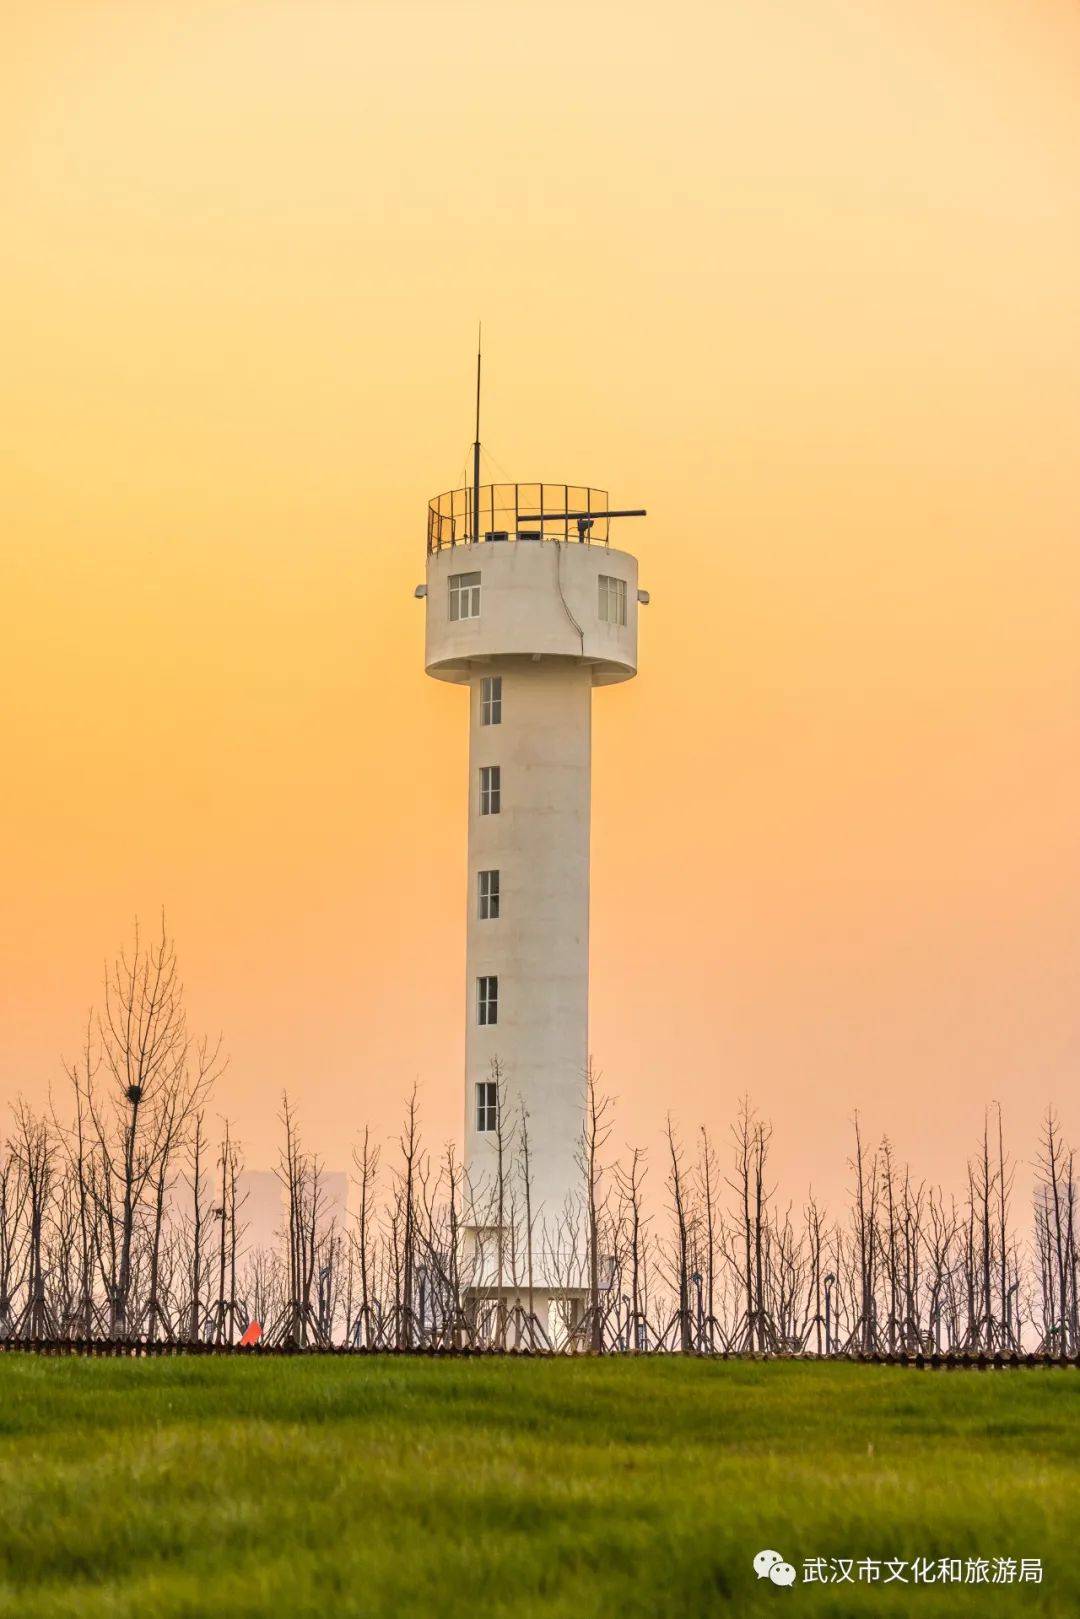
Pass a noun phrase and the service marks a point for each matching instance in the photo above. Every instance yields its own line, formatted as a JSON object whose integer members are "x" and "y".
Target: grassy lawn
{"x": 401, "y": 1487}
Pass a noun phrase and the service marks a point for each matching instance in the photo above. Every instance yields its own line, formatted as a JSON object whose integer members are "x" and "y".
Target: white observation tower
{"x": 529, "y": 607}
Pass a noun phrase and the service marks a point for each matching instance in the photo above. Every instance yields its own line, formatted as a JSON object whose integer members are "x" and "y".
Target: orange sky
{"x": 800, "y": 276}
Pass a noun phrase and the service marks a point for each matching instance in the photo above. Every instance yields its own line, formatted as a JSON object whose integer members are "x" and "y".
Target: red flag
{"x": 251, "y": 1336}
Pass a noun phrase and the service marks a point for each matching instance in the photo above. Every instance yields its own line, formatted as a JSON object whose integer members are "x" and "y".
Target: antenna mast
{"x": 476, "y": 449}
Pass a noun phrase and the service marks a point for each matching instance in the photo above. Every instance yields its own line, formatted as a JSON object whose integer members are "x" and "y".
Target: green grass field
{"x": 400, "y": 1487}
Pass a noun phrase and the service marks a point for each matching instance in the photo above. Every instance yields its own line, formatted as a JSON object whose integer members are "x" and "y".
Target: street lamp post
{"x": 1010, "y": 1295}
{"x": 830, "y": 1283}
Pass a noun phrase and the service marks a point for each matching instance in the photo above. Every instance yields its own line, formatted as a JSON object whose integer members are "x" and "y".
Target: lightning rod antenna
{"x": 476, "y": 448}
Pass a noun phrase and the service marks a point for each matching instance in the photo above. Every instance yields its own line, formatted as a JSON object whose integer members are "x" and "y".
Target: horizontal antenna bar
{"x": 552, "y": 517}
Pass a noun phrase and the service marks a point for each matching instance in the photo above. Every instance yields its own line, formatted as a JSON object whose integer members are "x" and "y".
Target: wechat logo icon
{"x": 771, "y": 1566}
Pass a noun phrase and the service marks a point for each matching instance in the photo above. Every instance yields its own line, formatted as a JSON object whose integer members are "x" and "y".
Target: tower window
{"x": 464, "y": 595}
{"x": 488, "y": 910}
{"x": 491, "y": 700}
{"x": 612, "y": 600}
{"x": 490, "y": 789}
{"x": 487, "y": 1000}
{"x": 487, "y": 1105}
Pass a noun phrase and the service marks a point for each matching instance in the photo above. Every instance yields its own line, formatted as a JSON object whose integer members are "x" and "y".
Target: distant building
{"x": 334, "y": 1199}
{"x": 260, "y": 1207}
{"x": 264, "y": 1210}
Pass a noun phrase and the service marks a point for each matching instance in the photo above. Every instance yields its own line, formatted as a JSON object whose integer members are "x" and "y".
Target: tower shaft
{"x": 529, "y": 865}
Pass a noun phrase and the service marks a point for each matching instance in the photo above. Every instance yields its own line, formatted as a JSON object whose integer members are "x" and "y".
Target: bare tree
{"x": 364, "y": 1330}
{"x": 681, "y": 1325}
{"x": 630, "y": 1183}
{"x": 300, "y": 1175}
{"x": 752, "y": 1138}
{"x": 1056, "y": 1238}
{"x": 864, "y": 1333}
{"x": 595, "y": 1133}
{"x": 34, "y": 1150}
{"x": 157, "y": 1079}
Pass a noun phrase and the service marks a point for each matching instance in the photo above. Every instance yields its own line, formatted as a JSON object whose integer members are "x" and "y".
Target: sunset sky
{"x": 800, "y": 276}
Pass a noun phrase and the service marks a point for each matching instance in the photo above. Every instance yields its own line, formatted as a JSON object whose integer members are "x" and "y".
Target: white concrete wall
{"x": 540, "y": 629}
{"x": 538, "y": 597}
{"x": 539, "y": 946}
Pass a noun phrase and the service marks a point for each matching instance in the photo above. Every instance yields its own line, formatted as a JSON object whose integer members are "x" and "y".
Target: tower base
{"x": 512, "y": 1318}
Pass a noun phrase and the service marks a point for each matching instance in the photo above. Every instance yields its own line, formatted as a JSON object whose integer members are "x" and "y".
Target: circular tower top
{"x": 527, "y": 571}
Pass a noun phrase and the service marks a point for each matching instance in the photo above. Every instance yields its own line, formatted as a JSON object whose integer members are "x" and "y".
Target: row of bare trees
{"x": 121, "y": 1218}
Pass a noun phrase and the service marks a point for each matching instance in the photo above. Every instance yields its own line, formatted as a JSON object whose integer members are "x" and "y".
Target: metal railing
{"x": 518, "y": 511}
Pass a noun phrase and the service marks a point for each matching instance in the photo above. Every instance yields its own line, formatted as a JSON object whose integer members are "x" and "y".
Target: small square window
{"x": 491, "y": 700}
{"x": 487, "y": 1105}
{"x": 490, "y": 789}
{"x": 488, "y": 884}
{"x": 487, "y": 1000}
{"x": 612, "y": 600}
{"x": 464, "y": 595}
